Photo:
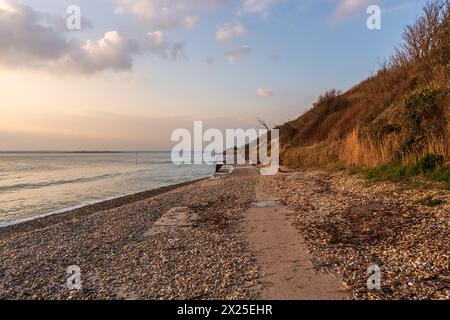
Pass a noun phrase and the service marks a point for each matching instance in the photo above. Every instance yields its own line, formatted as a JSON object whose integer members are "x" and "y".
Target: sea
{"x": 42, "y": 183}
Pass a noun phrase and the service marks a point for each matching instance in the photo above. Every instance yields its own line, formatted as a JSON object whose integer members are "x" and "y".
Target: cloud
{"x": 348, "y": 7}
{"x": 166, "y": 14}
{"x": 120, "y": 11}
{"x": 28, "y": 38}
{"x": 230, "y": 30}
{"x": 257, "y": 6}
{"x": 264, "y": 93}
{"x": 237, "y": 53}
{"x": 25, "y": 38}
{"x": 156, "y": 44}
{"x": 190, "y": 21}
{"x": 156, "y": 39}
{"x": 113, "y": 51}
{"x": 177, "y": 50}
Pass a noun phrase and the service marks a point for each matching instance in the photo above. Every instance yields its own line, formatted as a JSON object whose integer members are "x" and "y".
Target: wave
{"x": 4, "y": 224}
{"x": 82, "y": 204}
{"x": 37, "y": 185}
{"x": 21, "y": 186}
{"x": 156, "y": 162}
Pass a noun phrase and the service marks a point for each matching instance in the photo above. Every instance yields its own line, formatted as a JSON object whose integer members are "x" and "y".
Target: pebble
{"x": 208, "y": 260}
{"x": 352, "y": 224}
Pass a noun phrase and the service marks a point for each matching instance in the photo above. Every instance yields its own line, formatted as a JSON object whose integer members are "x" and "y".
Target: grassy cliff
{"x": 397, "y": 117}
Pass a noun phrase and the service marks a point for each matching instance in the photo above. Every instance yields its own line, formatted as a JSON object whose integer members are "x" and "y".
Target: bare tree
{"x": 263, "y": 124}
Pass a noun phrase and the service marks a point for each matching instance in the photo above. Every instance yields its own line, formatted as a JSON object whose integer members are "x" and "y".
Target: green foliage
{"x": 441, "y": 174}
{"x": 429, "y": 163}
{"x": 328, "y": 98}
{"x": 430, "y": 166}
{"x": 389, "y": 173}
{"x": 423, "y": 117}
{"x": 429, "y": 201}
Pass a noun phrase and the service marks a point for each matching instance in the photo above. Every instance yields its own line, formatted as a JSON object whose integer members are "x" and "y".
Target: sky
{"x": 138, "y": 69}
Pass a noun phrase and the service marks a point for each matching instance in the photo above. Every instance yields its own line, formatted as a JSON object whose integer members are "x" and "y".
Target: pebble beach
{"x": 123, "y": 253}
{"x": 118, "y": 261}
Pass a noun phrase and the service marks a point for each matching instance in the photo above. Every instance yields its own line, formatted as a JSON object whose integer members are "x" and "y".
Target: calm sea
{"x": 34, "y": 184}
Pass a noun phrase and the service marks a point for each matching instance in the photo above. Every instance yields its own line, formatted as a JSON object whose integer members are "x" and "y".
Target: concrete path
{"x": 282, "y": 254}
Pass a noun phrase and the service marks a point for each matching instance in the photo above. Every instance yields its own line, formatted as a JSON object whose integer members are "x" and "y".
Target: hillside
{"x": 397, "y": 116}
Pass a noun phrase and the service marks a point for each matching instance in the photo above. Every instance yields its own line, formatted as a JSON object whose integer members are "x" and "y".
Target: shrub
{"x": 430, "y": 166}
{"x": 423, "y": 117}
{"x": 429, "y": 163}
{"x": 429, "y": 201}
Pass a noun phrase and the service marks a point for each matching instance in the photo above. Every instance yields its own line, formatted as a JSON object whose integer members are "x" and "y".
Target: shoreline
{"x": 61, "y": 215}
{"x": 125, "y": 253}
{"x": 226, "y": 238}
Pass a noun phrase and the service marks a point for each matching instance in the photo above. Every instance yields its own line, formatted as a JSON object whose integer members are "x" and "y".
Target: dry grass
{"x": 397, "y": 115}
{"x": 366, "y": 152}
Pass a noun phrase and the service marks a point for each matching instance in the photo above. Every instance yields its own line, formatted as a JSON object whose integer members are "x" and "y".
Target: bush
{"x": 429, "y": 201}
{"x": 388, "y": 173}
{"x": 441, "y": 174}
{"x": 423, "y": 118}
{"x": 430, "y": 166}
{"x": 429, "y": 163}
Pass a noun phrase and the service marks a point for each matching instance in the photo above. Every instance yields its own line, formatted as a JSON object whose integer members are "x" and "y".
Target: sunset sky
{"x": 138, "y": 69}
